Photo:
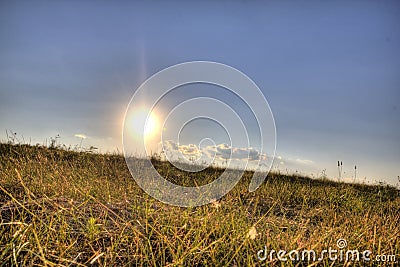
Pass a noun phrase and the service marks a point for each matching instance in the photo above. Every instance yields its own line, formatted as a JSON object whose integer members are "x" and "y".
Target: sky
{"x": 329, "y": 71}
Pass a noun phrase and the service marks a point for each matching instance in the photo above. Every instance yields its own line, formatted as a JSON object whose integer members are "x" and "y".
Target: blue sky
{"x": 330, "y": 71}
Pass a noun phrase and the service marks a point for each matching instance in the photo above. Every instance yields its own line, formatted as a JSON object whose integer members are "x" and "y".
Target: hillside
{"x": 71, "y": 208}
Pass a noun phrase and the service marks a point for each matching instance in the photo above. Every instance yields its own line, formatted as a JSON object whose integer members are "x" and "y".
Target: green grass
{"x": 70, "y": 208}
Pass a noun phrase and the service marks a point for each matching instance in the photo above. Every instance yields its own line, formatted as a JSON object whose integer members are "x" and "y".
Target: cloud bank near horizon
{"x": 240, "y": 157}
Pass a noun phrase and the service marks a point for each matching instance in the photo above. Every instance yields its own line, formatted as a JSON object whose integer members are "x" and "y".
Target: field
{"x": 68, "y": 208}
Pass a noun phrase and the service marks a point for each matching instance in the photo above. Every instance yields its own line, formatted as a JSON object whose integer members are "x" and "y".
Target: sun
{"x": 151, "y": 125}
{"x": 144, "y": 124}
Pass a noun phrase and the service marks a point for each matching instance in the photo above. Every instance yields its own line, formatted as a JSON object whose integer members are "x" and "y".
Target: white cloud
{"x": 217, "y": 154}
{"x": 238, "y": 157}
{"x": 293, "y": 161}
{"x": 83, "y": 136}
{"x": 295, "y": 164}
{"x": 170, "y": 145}
{"x": 223, "y": 151}
{"x": 189, "y": 150}
{"x": 305, "y": 161}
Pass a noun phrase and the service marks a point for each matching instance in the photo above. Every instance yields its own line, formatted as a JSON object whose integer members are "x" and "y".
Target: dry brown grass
{"x": 68, "y": 208}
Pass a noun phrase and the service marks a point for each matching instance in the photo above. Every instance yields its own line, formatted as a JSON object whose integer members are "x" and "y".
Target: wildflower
{"x": 252, "y": 234}
{"x": 216, "y": 204}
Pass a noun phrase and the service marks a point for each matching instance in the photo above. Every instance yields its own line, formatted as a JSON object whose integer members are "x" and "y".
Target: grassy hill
{"x": 71, "y": 208}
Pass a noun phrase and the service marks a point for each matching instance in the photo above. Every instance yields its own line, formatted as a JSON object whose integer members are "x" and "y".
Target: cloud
{"x": 238, "y": 156}
{"x": 223, "y": 151}
{"x": 83, "y": 136}
{"x": 295, "y": 164}
{"x": 190, "y": 149}
{"x": 170, "y": 145}
{"x": 253, "y": 154}
{"x": 218, "y": 153}
{"x": 292, "y": 161}
{"x": 305, "y": 161}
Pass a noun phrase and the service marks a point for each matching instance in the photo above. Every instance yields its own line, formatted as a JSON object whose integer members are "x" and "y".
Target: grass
{"x": 69, "y": 208}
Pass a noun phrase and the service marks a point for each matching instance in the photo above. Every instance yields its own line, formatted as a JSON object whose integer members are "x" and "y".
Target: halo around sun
{"x": 143, "y": 124}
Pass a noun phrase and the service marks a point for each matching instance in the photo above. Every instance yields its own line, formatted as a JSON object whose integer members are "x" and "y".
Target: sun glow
{"x": 143, "y": 124}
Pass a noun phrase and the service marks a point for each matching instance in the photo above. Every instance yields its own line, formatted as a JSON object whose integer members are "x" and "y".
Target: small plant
{"x": 91, "y": 149}
{"x": 53, "y": 141}
{"x": 340, "y": 169}
{"x": 92, "y": 229}
{"x": 355, "y": 173}
{"x": 323, "y": 175}
{"x": 12, "y": 138}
